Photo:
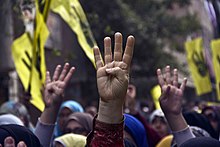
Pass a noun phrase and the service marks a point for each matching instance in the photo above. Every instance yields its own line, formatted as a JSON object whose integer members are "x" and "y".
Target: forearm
{"x": 183, "y": 135}
{"x": 49, "y": 115}
{"x": 44, "y": 132}
{"x": 176, "y": 122}
{"x": 110, "y": 112}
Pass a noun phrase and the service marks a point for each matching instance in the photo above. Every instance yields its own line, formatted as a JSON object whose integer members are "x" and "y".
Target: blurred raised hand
{"x": 54, "y": 92}
{"x": 54, "y": 89}
{"x": 10, "y": 142}
{"x": 171, "y": 98}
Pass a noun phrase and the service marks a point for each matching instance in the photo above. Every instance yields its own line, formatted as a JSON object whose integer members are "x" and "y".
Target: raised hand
{"x": 54, "y": 89}
{"x": 10, "y": 142}
{"x": 113, "y": 74}
{"x": 113, "y": 77}
{"x": 171, "y": 98}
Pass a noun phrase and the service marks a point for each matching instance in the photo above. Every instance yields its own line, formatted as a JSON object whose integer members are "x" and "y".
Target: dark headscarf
{"x": 85, "y": 119}
{"x": 201, "y": 142}
{"x": 196, "y": 119}
{"x": 19, "y": 133}
{"x": 136, "y": 129}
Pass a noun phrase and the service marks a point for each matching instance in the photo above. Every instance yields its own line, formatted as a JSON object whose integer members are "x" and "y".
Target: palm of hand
{"x": 54, "y": 90}
{"x": 112, "y": 86}
{"x": 112, "y": 75}
{"x": 171, "y": 102}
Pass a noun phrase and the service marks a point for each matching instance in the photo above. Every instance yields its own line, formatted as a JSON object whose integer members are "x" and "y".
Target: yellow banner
{"x": 72, "y": 13}
{"x": 23, "y": 55}
{"x": 29, "y": 59}
{"x": 215, "y": 45}
{"x": 156, "y": 93}
{"x": 198, "y": 66}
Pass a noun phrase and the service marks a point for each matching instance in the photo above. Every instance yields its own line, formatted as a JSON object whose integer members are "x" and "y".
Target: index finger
{"x": 128, "y": 53}
{"x": 56, "y": 73}
{"x": 98, "y": 58}
{"x": 160, "y": 77}
{"x": 48, "y": 79}
{"x": 69, "y": 75}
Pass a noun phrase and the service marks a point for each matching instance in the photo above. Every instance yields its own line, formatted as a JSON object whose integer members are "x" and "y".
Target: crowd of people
{"x": 68, "y": 124}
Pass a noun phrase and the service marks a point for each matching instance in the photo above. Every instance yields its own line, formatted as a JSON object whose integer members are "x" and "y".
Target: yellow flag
{"x": 156, "y": 93}
{"x": 72, "y": 13}
{"x": 29, "y": 58}
{"x": 198, "y": 66}
{"x": 215, "y": 45}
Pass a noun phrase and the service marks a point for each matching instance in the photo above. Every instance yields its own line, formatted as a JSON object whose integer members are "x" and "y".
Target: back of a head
{"x": 201, "y": 142}
{"x": 19, "y": 133}
{"x": 136, "y": 129}
{"x": 6, "y": 119}
{"x": 196, "y": 119}
{"x": 71, "y": 139}
{"x": 15, "y": 108}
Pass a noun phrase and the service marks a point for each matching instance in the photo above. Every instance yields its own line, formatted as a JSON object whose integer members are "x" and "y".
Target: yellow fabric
{"x": 215, "y": 45}
{"x": 197, "y": 66}
{"x": 72, "y": 13}
{"x": 72, "y": 140}
{"x": 156, "y": 93}
{"x": 29, "y": 59}
{"x": 165, "y": 142}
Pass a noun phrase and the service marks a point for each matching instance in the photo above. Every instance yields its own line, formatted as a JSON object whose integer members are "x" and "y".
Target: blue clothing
{"x": 136, "y": 129}
{"x": 74, "y": 107}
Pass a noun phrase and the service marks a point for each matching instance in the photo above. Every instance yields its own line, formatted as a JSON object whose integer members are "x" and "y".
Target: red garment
{"x": 106, "y": 135}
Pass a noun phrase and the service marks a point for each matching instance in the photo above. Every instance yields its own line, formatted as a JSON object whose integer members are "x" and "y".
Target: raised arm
{"x": 112, "y": 82}
{"x": 53, "y": 97}
{"x": 171, "y": 104}
{"x": 112, "y": 78}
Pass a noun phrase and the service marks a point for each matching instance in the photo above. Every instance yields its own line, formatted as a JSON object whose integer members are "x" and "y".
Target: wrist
{"x": 176, "y": 122}
{"x": 110, "y": 112}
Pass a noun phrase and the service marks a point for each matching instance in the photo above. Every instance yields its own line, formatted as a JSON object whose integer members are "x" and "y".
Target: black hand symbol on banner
{"x": 85, "y": 28}
{"x": 25, "y": 62}
{"x": 218, "y": 59}
{"x": 199, "y": 61}
{"x": 38, "y": 58}
{"x": 29, "y": 62}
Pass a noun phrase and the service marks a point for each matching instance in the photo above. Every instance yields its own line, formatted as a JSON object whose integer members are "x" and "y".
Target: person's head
{"x": 212, "y": 114}
{"x": 17, "y": 109}
{"x": 91, "y": 110}
{"x": 18, "y": 133}
{"x": 134, "y": 132}
{"x": 79, "y": 123}
{"x": 201, "y": 142}
{"x": 159, "y": 123}
{"x": 70, "y": 140}
{"x": 196, "y": 119}
{"x": 6, "y": 119}
{"x": 66, "y": 109}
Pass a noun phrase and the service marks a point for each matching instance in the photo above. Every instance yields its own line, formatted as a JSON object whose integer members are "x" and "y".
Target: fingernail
{"x": 21, "y": 144}
{"x": 9, "y": 140}
{"x": 108, "y": 70}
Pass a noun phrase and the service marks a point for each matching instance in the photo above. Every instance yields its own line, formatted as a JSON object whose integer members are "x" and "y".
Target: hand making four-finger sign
{"x": 171, "y": 97}
{"x": 113, "y": 72}
{"x": 54, "y": 89}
